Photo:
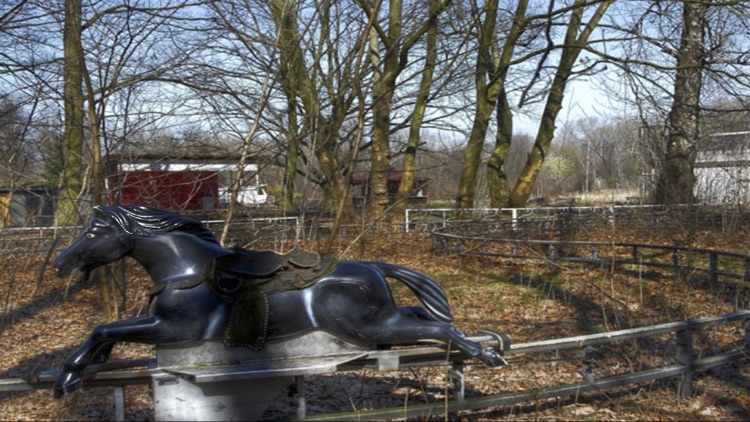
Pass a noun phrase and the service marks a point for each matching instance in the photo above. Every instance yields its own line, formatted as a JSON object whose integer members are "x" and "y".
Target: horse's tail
{"x": 427, "y": 290}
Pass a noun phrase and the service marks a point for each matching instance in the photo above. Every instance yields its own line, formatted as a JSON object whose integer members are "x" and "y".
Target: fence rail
{"x": 530, "y": 222}
{"x": 687, "y": 364}
{"x": 715, "y": 263}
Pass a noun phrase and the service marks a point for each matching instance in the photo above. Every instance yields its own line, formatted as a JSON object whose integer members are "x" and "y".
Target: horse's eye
{"x": 90, "y": 235}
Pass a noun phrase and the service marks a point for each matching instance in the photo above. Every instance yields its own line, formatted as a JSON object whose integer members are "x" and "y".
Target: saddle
{"x": 272, "y": 272}
{"x": 248, "y": 277}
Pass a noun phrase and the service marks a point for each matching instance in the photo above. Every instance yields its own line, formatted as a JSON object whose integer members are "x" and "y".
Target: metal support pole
{"x": 299, "y": 382}
{"x": 119, "y": 396}
{"x": 457, "y": 381}
{"x": 587, "y": 370}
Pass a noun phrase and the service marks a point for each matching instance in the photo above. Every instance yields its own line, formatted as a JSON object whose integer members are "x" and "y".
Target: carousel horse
{"x": 246, "y": 298}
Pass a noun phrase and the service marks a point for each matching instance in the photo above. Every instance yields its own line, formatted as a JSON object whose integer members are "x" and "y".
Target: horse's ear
{"x": 100, "y": 212}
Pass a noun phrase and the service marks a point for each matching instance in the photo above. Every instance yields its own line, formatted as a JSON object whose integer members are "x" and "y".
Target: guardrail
{"x": 686, "y": 363}
{"x": 536, "y": 219}
{"x": 715, "y": 263}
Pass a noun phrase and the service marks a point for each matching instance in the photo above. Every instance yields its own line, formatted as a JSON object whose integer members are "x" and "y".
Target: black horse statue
{"x": 203, "y": 291}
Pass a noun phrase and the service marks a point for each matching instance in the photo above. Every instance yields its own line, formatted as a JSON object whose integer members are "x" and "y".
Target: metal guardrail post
{"x": 299, "y": 383}
{"x": 457, "y": 381}
{"x": 119, "y": 397}
{"x": 685, "y": 358}
{"x": 587, "y": 370}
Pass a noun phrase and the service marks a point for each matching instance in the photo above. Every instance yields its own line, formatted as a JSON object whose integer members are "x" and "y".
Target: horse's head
{"x": 102, "y": 242}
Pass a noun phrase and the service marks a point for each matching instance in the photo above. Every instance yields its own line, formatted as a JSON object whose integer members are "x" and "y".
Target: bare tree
{"x": 488, "y": 88}
{"x": 420, "y": 106}
{"x": 71, "y": 189}
{"x": 396, "y": 46}
{"x": 675, "y": 185}
{"x": 576, "y": 39}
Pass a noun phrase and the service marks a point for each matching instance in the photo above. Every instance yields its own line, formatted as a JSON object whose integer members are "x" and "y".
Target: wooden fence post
{"x": 713, "y": 267}
{"x": 685, "y": 358}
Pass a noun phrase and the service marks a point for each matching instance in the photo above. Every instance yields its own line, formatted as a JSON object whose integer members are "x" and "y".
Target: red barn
{"x": 173, "y": 184}
{"x": 172, "y": 190}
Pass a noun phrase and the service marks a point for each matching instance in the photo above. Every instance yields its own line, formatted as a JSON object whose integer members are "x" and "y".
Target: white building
{"x": 722, "y": 169}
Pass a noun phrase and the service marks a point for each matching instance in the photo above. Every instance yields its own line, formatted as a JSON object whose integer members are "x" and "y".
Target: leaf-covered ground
{"x": 44, "y": 318}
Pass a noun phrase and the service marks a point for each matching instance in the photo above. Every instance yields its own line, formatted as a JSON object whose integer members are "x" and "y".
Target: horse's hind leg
{"x": 410, "y": 327}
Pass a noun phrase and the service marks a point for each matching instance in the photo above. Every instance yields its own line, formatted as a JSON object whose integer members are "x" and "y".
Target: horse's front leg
{"x": 145, "y": 329}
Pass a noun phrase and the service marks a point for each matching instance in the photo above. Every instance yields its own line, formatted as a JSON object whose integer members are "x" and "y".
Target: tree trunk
{"x": 497, "y": 179}
{"x": 290, "y": 71}
{"x": 487, "y": 93}
{"x": 384, "y": 84}
{"x": 675, "y": 185}
{"x": 572, "y": 48}
{"x": 68, "y": 203}
{"x": 417, "y": 117}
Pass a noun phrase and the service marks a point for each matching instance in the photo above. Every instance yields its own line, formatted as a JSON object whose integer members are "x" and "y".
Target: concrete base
{"x": 179, "y": 399}
{"x": 208, "y": 381}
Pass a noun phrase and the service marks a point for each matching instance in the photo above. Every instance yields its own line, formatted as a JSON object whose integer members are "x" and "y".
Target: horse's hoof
{"x": 492, "y": 358}
{"x": 66, "y": 383}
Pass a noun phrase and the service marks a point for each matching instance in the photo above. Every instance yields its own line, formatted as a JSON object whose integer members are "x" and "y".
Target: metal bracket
{"x": 458, "y": 381}
{"x": 502, "y": 339}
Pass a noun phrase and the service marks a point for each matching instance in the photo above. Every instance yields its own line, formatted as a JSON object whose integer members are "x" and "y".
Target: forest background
{"x": 317, "y": 90}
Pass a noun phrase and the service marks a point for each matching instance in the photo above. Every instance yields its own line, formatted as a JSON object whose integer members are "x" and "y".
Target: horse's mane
{"x": 144, "y": 221}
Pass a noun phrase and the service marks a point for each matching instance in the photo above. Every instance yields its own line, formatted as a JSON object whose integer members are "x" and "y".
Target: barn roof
{"x": 192, "y": 162}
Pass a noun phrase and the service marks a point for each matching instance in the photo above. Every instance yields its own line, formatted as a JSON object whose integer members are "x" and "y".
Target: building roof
{"x": 192, "y": 162}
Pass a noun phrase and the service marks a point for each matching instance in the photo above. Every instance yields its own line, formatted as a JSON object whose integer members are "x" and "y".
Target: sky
{"x": 582, "y": 99}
